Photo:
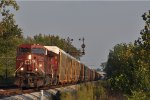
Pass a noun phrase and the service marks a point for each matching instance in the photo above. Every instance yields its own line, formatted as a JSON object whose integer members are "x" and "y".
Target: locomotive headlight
{"x": 21, "y": 68}
{"x": 36, "y": 69}
{"x": 40, "y": 65}
{"x": 29, "y": 56}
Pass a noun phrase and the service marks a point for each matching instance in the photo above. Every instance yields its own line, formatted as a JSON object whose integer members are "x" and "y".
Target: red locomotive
{"x": 38, "y": 65}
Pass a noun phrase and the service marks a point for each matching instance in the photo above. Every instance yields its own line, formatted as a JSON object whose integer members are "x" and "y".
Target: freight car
{"x": 38, "y": 65}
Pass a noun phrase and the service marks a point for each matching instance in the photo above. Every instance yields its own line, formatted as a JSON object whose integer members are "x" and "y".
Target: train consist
{"x": 38, "y": 65}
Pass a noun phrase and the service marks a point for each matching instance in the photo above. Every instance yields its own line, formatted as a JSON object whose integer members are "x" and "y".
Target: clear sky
{"x": 103, "y": 24}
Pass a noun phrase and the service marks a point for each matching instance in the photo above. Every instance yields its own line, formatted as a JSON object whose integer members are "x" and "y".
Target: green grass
{"x": 86, "y": 91}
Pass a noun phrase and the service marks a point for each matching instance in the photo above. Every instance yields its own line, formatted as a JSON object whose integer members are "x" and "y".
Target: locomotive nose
{"x": 28, "y": 62}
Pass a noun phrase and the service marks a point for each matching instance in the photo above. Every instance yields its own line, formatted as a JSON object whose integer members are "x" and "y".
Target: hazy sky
{"x": 103, "y": 24}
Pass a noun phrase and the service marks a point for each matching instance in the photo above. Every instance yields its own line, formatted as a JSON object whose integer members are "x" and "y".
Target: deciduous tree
{"x": 128, "y": 65}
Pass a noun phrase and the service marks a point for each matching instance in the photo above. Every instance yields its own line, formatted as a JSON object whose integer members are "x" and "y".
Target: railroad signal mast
{"x": 82, "y": 46}
{"x": 82, "y": 52}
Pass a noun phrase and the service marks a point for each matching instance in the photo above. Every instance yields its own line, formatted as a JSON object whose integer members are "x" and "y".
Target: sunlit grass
{"x": 86, "y": 91}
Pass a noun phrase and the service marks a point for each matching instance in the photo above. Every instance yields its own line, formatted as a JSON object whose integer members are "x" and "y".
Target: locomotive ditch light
{"x": 21, "y": 69}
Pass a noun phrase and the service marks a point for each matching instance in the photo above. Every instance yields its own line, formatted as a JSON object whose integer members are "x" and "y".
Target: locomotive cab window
{"x": 23, "y": 51}
{"x": 38, "y": 51}
{"x": 29, "y": 50}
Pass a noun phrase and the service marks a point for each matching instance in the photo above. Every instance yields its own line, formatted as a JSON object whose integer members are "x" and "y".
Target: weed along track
{"x": 84, "y": 91}
{"x": 41, "y": 67}
{"x": 6, "y": 92}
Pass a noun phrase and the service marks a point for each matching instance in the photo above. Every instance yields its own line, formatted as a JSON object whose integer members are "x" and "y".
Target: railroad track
{"x": 11, "y": 92}
{"x": 6, "y": 92}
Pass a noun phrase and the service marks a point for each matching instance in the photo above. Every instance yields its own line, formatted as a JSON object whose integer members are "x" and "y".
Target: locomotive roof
{"x": 29, "y": 45}
{"x": 56, "y": 50}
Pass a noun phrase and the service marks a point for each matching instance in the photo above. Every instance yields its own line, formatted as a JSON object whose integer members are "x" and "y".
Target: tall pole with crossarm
{"x": 82, "y": 46}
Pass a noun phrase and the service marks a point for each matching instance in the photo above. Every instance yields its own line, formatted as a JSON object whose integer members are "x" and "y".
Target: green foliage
{"x": 51, "y": 40}
{"x": 142, "y": 55}
{"x": 8, "y": 28}
{"x": 5, "y": 6}
{"x": 86, "y": 91}
{"x": 8, "y": 55}
{"x": 120, "y": 67}
{"x": 128, "y": 65}
{"x": 10, "y": 38}
{"x": 139, "y": 95}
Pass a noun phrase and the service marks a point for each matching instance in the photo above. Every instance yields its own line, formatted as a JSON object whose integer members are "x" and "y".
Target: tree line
{"x": 128, "y": 65}
{"x": 127, "y": 68}
{"x": 11, "y": 35}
